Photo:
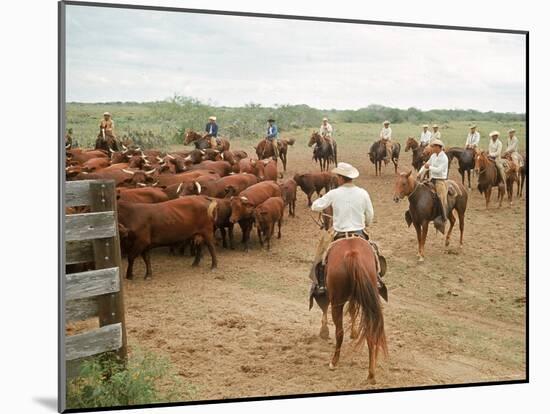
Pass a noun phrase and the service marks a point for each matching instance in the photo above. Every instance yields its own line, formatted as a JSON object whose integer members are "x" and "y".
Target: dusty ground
{"x": 245, "y": 329}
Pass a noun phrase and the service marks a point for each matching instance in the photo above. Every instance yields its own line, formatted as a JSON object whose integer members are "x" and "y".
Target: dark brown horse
{"x": 351, "y": 277}
{"x": 488, "y": 177}
{"x": 424, "y": 207}
{"x": 203, "y": 141}
{"x": 418, "y": 157}
{"x": 466, "y": 161}
{"x": 265, "y": 150}
{"x": 377, "y": 153}
{"x": 322, "y": 152}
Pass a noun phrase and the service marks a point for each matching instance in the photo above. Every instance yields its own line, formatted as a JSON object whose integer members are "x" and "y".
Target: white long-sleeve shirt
{"x": 472, "y": 139}
{"x": 425, "y": 137}
{"x": 326, "y": 130}
{"x": 351, "y": 206}
{"x": 495, "y": 148}
{"x": 513, "y": 144}
{"x": 439, "y": 166}
{"x": 385, "y": 133}
{"x": 436, "y": 135}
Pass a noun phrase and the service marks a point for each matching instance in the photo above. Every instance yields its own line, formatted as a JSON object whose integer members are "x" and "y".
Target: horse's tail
{"x": 365, "y": 300}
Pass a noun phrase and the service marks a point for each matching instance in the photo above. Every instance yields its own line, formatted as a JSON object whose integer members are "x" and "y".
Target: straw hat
{"x": 435, "y": 126}
{"x": 425, "y": 126}
{"x": 473, "y": 126}
{"x": 106, "y": 114}
{"x": 212, "y": 118}
{"x": 437, "y": 142}
{"x": 493, "y": 133}
{"x": 325, "y": 119}
{"x": 386, "y": 123}
{"x": 346, "y": 170}
{"x": 511, "y": 130}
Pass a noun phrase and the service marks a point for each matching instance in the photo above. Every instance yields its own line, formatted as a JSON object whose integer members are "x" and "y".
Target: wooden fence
{"x": 92, "y": 238}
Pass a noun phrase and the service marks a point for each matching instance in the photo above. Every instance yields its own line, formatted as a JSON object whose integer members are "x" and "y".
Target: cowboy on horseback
{"x": 352, "y": 212}
{"x": 472, "y": 139}
{"x": 438, "y": 167}
{"x": 211, "y": 130}
{"x": 385, "y": 137}
{"x": 272, "y": 137}
{"x": 436, "y": 134}
{"x": 494, "y": 150}
{"x": 326, "y": 132}
{"x": 106, "y": 137}
{"x": 512, "y": 148}
{"x": 425, "y": 136}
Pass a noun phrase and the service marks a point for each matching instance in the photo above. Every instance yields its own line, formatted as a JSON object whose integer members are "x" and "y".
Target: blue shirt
{"x": 212, "y": 129}
{"x": 272, "y": 132}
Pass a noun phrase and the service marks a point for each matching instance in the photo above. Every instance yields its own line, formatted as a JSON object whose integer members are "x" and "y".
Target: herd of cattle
{"x": 182, "y": 198}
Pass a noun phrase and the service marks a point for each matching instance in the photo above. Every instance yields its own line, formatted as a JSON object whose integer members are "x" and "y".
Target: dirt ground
{"x": 245, "y": 330}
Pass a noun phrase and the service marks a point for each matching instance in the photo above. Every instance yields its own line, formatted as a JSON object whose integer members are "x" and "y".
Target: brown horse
{"x": 488, "y": 177}
{"x": 323, "y": 152}
{"x": 377, "y": 154}
{"x": 203, "y": 141}
{"x": 351, "y": 277}
{"x": 466, "y": 161}
{"x": 265, "y": 150}
{"x": 418, "y": 157}
{"x": 424, "y": 207}
{"x": 522, "y": 175}
{"x": 512, "y": 176}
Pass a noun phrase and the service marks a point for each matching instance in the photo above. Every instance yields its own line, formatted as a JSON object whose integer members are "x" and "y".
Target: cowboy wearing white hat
{"x": 326, "y": 132}
{"x": 436, "y": 134}
{"x": 472, "y": 139}
{"x": 106, "y": 126}
{"x": 385, "y": 137}
{"x": 512, "y": 148}
{"x": 438, "y": 168}
{"x": 352, "y": 212}
{"x": 494, "y": 150}
{"x": 425, "y": 135}
{"x": 211, "y": 130}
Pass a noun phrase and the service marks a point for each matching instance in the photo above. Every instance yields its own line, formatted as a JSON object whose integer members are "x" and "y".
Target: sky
{"x": 136, "y": 55}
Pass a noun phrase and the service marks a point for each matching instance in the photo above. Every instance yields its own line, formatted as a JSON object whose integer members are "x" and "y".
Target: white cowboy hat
{"x": 425, "y": 126}
{"x": 213, "y": 118}
{"x": 511, "y": 130}
{"x": 493, "y": 133}
{"x": 325, "y": 119}
{"x": 386, "y": 123}
{"x": 437, "y": 142}
{"x": 473, "y": 126}
{"x": 345, "y": 169}
{"x": 435, "y": 126}
{"x": 106, "y": 113}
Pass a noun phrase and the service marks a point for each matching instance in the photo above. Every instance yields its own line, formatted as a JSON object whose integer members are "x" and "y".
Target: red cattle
{"x": 266, "y": 215}
{"x": 288, "y": 192}
{"x": 122, "y": 177}
{"x": 222, "y": 222}
{"x": 143, "y": 227}
{"x": 200, "y": 186}
{"x": 81, "y": 156}
{"x": 148, "y": 195}
{"x": 222, "y": 168}
{"x": 168, "y": 179}
{"x": 268, "y": 170}
{"x": 315, "y": 182}
{"x": 95, "y": 164}
{"x": 249, "y": 165}
{"x": 223, "y": 187}
{"x": 242, "y": 206}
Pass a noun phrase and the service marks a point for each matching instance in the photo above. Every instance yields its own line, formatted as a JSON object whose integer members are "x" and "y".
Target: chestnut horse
{"x": 512, "y": 176}
{"x": 418, "y": 157}
{"x": 203, "y": 142}
{"x": 351, "y": 277}
{"x": 263, "y": 150}
{"x": 323, "y": 151}
{"x": 423, "y": 207}
{"x": 488, "y": 177}
{"x": 377, "y": 153}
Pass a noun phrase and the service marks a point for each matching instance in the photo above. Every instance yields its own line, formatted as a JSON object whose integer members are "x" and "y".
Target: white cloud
{"x": 117, "y": 55}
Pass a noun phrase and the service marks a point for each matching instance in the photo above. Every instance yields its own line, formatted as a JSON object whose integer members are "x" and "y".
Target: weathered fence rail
{"x": 92, "y": 238}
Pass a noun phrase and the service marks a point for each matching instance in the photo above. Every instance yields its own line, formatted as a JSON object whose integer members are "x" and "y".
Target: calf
{"x": 223, "y": 214}
{"x": 288, "y": 191}
{"x": 266, "y": 215}
{"x": 242, "y": 206}
{"x": 315, "y": 182}
{"x": 268, "y": 170}
{"x": 143, "y": 227}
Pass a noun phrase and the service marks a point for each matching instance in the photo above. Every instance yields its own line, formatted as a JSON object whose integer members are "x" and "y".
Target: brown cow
{"x": 223, "y": 187}
{"x": 122, "y": 177}
{"x": 202, "y": 185}
{"x": 288, "y": 191}
{"x": 143, "y": 227}
{"x": 242, "y": 206}
{"x": 222, "y": 168}
{"x": 249, "y": 165}
{"x": 268, "y": 170}
{"x": 148, "y": 195}
{"x": 315, "y": 182}
{"x": 81, "y": 156}
{"x": 266, "y": 215}
{"x": 168, "y": 179}
{"x": 95, "y": 164}
{"x": 223, "y": 214}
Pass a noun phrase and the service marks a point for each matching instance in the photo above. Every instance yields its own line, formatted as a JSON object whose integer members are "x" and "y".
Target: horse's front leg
{"x": 452, "y": 220}
{"x": 337, "y": 318}
{"x": 418, "y": 229}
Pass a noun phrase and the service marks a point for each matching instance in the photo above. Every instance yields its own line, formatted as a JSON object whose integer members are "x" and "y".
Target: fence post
{"x": 107, "y": 254}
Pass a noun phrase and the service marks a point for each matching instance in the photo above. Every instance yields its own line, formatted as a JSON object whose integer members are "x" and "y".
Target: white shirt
{"x": 495, "y": 148}
{"x": 425, "y": 137}
{"x": 326, "y": 130}
{"x": 472, "y": 139}
{"x": 439, "y": 166}
{"x": 436, "y": 135}
{"x": 385, "y": 133}
{"x": 512, "y": 144}
{"x": 351, "y": 206}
